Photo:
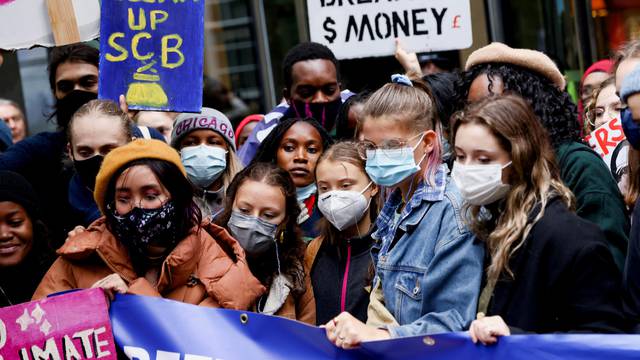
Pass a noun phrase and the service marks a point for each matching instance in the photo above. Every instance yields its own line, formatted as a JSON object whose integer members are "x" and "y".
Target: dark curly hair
{"x": 268, "y": 149}
{"x": 444, "y": 93}
{"x": 557, "y": 113}
{"x": 291, "y": 249}
{"x": 303, "y": 52}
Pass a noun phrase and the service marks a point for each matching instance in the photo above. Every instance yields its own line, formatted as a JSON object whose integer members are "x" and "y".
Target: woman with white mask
{"x": 207, "y": 147}
{"x": 428, "y": 265}
{"x": 548, "y": 270}
{"x": 340, "y": 257}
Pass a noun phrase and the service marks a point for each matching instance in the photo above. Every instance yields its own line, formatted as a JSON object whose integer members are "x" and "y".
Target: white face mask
{"x": 480, "y": 184}
{"x": 343, "y": 208}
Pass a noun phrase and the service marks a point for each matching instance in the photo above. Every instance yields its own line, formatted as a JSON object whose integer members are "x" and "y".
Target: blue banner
{"x": 158, "y": 329}
{"x": 151, "y": 52}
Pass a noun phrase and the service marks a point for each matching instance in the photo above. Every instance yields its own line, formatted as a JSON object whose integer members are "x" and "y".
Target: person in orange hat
{"x": 150, "y": 240}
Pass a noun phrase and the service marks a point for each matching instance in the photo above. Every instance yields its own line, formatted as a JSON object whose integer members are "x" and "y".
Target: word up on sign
{"x": 367, "y": 28}
{"x": 150, "y": 54}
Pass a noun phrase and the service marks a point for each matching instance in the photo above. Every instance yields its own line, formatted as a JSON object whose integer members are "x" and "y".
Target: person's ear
{"x": 286, "y": 94}
{"x": 429, "y": 141}
{"x": 70, "y": 150}
{"x": 374, "y": 190}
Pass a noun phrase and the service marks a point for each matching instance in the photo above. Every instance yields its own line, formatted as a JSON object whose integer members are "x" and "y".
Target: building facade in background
{"x": 246, "y": 40}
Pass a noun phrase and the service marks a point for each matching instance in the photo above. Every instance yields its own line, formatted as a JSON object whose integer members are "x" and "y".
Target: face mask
{"x": 324, "y": 113}
{"x": 88, "y": 170}
{"x": 255, "y": 235}
{"x": 204, "y": 164}
{"x": 480, "y": 184}
{"x": 141, "y": 227}
{"x": 68, "y": 105}
{"x": 630, "y": 128}
{"x": 304, "y": 193}
{"x": 343, "y": 208}
{"x": 388, "y": 167}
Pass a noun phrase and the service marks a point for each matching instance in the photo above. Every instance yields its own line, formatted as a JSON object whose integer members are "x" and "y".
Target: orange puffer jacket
{"x": 206, "y": 268}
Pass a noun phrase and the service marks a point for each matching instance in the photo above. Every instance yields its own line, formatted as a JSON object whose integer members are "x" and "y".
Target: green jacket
{"x": 598, "y": 198}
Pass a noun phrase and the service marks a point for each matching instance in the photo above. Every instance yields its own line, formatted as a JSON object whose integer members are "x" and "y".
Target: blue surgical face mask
{"x": 204, "y": 164}
{"x": 303, "y": 193}
{"x": 630, "y": 128}
{"x": 388, "y": 167}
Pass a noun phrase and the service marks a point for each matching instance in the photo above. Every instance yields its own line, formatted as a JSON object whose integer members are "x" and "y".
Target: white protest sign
{"x": 605, "y": 139}
{"x": 26, "y": 23}
{"x": 367, "y": 28}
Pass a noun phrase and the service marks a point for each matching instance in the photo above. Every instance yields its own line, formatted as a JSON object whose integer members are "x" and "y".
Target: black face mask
{"x": 68, "y": 105}
{"x": 88, "y": 170}
{"x": 324, "y": 113}
{"x": 140, "y": 228}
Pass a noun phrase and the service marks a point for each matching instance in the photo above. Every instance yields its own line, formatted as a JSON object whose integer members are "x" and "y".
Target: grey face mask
{"x": 255, "y": 235}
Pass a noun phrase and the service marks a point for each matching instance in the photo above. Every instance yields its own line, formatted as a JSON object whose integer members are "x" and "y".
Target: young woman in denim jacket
{"x": 548, "y": 269}
{"x": 428, "y": 265}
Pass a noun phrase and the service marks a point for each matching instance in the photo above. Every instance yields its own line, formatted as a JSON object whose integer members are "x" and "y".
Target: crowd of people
{"x": 456, "y": 201}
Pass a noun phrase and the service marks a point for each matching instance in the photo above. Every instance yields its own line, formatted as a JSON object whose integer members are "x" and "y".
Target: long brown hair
{"x": 344, "y": 151}
{"x": 534, "y": 177}
{"x": 291, "y": 247}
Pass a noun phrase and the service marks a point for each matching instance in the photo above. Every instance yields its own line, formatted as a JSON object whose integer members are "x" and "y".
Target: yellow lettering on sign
{"x": 142, "y": 20}
{"x": 134, "y": 46}
{"x": 123, "y": 52}
{"x": 166, "y": 49}
{"x": 157, "y": 17}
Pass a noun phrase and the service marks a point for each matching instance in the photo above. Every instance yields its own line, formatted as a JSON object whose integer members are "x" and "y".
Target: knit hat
{"x": 210, "y": 119}
{"x": 630, "y": 84}
{"x": 15, "y": 188}
{"x": 529, "y": 59}
{"x": 135, "y": 150}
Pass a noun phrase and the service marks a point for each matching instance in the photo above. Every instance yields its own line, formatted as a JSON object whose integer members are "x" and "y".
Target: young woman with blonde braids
{"x": 548, "y": 270}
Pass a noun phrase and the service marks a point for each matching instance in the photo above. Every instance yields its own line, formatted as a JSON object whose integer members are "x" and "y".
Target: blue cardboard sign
{"x": 151, "y": 52}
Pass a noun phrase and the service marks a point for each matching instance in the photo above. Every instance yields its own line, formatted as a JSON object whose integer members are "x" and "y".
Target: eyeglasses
{"x": 367, "y": 146}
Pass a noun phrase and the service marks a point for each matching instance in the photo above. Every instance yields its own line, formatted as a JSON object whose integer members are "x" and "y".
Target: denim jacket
{"x": 431, "y": 274}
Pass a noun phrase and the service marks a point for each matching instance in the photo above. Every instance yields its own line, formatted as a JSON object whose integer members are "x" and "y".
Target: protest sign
{"x": 366, "y": 28}
{"x": 70, "y": 326}
{"x": 151, "y": 52}
{"x": 605, "y": 139}
{"x": 26, "y": 23}
{"x": 147, "y": 328}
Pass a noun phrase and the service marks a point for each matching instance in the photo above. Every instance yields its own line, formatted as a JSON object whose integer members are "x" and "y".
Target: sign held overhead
{"x": 151, "y": 52}
{"x": 366, "y": 28}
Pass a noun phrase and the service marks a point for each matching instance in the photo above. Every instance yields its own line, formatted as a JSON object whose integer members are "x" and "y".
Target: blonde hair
{"x": 534, "y": 178}
{"x": 590, "y": 110}
{"x": 234, "y": 166}
{"x": 102, "y": 107}
{"x": 412, "y": 107}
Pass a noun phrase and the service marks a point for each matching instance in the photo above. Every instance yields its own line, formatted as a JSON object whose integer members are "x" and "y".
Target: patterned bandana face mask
{"x": 140, "y": 228}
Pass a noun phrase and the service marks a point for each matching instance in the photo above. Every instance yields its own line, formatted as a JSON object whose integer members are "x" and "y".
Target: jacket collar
{"x": 97, "y": 239}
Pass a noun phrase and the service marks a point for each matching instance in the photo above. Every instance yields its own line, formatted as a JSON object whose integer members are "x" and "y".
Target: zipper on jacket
{"x": 345, "y": 279}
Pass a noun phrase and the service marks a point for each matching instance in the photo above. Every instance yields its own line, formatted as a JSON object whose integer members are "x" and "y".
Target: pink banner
{"x": 71, "y": 326}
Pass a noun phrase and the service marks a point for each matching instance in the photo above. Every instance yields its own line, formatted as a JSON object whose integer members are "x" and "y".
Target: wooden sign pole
{"x": 63, "y": 22}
